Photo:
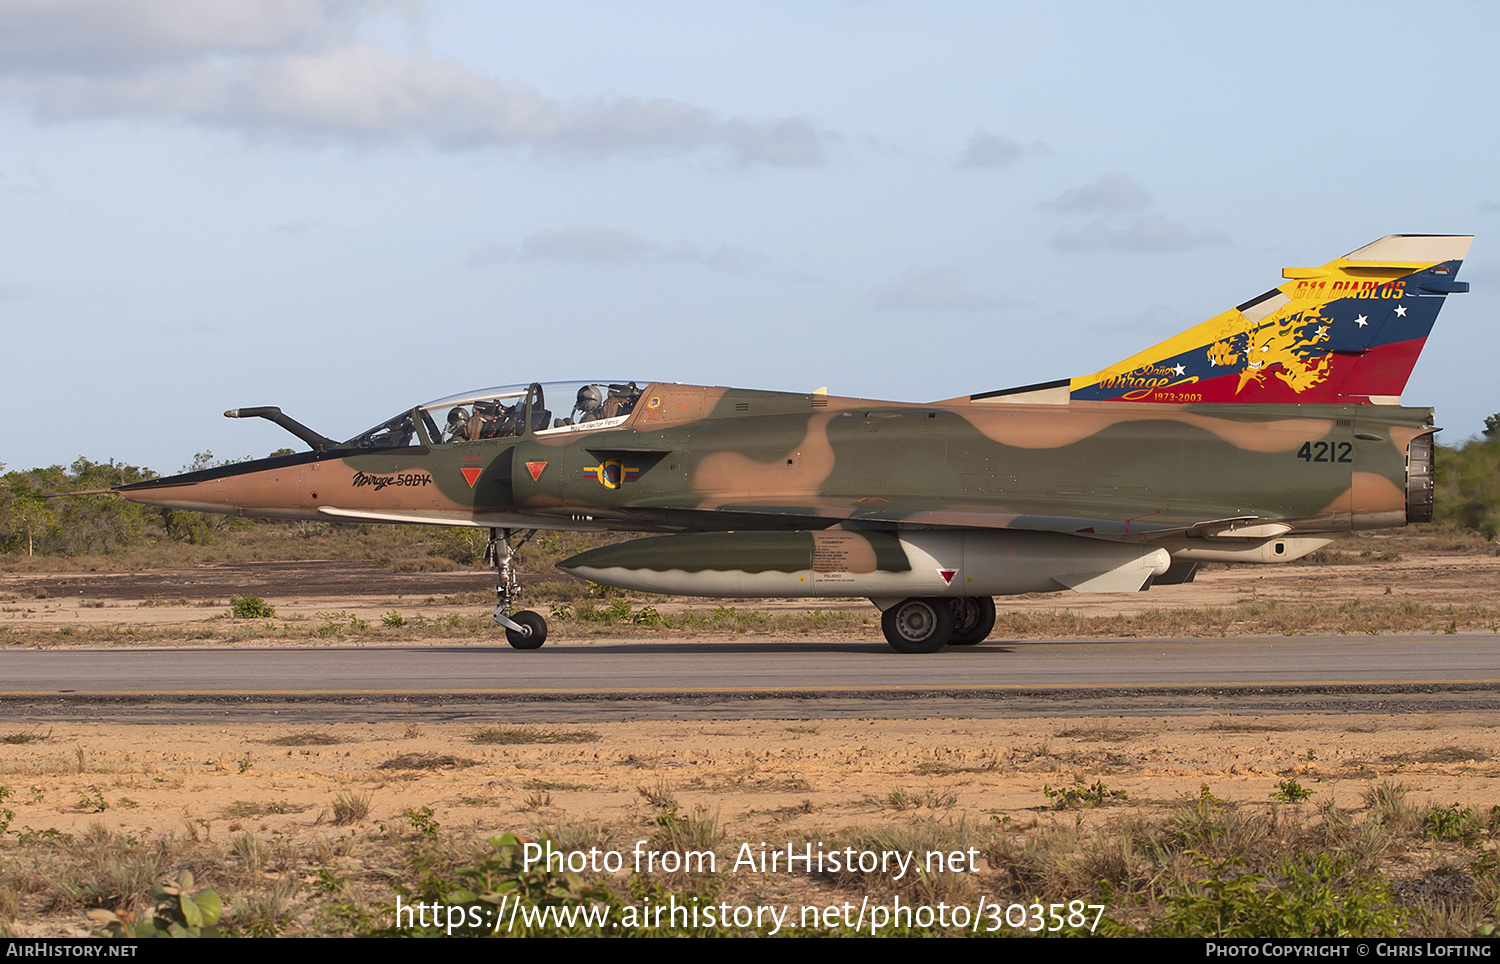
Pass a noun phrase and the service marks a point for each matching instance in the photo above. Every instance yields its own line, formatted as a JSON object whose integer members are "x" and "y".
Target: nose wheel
{"x": 525, "y": 629}
{"x": 533, "y": 631}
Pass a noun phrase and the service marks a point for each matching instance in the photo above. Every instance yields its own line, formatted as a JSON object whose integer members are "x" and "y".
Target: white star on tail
{"x": 1361, "y": 321}
{"x": 1400, "y": 311}
{"x": 1179, "y": 370}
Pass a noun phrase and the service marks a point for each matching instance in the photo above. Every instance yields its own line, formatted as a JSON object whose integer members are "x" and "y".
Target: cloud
{"x": 19, "y": 292}
{"x": 986, "y": 150}
{"x": 790, "y": 142}
{"x": 487, "y": 255}
{"x": 296, "y": 69}
{"x": 596, "y": 244}
{"x": 1112, "y": 192}
{"x": 1144, "y": 235}
{"x": 722, "y": 257}
{"x": 586, "y": 243}
{"x": 990, "y": 150}
{"x": 933, "y": 289}
{"x": 1109, "y": 198}
{"x": 11, "y": 186}
{"x": 1489, "y": 207}
{"x": 104, "y": 36}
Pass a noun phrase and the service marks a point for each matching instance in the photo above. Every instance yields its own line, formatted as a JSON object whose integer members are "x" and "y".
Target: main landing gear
{"x": 525, "y": 629}
{"x": 926, "y": 624}
{"x": 973, "y": 620}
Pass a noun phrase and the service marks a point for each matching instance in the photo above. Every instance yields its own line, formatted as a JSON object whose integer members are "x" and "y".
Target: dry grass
{"x": 1136, "y": 863}
{"x": 399, "y": 548}
{"x": 1099, "y": 734}
{"x": 1233, "y": 726}
{"x": 425, "y": 761}
{"x": 241, "y": 809}
{"x": 516, "y": 735}
{"x": 21, "y": 737}
{"x": 350, "y": 807}
{"x": 307, "y": 738}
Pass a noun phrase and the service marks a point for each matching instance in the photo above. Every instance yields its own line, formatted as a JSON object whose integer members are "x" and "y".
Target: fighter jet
{"x": 1254, "y": 437}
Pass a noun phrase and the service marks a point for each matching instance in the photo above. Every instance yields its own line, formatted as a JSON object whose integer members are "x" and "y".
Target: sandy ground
{"x": 764, "y": 782}
{"x": 760, "y": 776}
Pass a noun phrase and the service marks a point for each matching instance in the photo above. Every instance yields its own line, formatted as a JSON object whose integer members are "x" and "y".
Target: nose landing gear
{"x": 525, "y": 629}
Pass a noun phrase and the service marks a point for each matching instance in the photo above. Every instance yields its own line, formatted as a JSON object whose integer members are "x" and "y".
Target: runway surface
{"x": 754, "y": 667}
{"x": 844, "y": 678}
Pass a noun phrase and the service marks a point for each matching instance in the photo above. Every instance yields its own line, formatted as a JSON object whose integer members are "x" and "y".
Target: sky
{"x": 349, "y": 207}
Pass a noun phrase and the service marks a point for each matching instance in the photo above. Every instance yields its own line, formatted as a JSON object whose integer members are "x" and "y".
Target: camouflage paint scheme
{"x": 1252, "y": 437}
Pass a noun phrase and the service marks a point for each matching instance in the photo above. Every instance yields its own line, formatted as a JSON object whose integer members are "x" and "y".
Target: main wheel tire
{"x": 536, "y": 630}
{"x": 973, "y": 620}
{"x": 921, "y": 625}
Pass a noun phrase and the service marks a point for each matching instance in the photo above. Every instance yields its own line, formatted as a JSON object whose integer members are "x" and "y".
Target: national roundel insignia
{"x": 612, "y": 473}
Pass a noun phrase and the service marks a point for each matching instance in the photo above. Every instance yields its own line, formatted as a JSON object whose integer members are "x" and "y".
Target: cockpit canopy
{"x": 505, "y": 412}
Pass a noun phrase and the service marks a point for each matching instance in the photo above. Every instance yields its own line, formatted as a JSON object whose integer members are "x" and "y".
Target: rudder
{"x": 1348, "y": 332}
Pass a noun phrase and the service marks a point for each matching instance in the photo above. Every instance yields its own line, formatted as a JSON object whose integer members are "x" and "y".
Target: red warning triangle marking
{"x": 948, "y": 575}
{"x": 535, "y": 468}
{"x": 472, "y": 474}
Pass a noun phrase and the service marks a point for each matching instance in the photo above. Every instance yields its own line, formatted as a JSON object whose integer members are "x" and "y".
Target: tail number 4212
{"x": 1326, "y": 452}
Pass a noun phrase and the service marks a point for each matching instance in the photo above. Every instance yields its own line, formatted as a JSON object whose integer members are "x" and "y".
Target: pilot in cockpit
{"x": 458, "y": 424}
{"x": 621, "y": 401}
{"x": 589, "y": 406}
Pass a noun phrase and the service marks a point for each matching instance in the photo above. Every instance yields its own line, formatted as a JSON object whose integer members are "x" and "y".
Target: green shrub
{"x": 461, "y": 544}
{"x": 1082, "y": 797}
{"x": 1301, "y": 897}
{"x": 250, "y": 607}
{"x": 178, "y": 914}
{"x": 1290, "y": 791}
{"x": 486, "y": 889}
{"x": 648, "y": 616}
{"x": 1468, "y": 486}
{"x": 1450, "y": 823}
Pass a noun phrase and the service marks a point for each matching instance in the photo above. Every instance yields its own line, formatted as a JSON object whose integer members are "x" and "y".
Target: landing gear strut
{"x": 525, "y": 629}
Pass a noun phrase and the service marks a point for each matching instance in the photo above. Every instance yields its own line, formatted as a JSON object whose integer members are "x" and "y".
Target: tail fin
{"x": 1346, "y": 333}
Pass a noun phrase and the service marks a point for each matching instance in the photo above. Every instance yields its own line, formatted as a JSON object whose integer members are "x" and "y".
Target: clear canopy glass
{"x": 508, "y": 411}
